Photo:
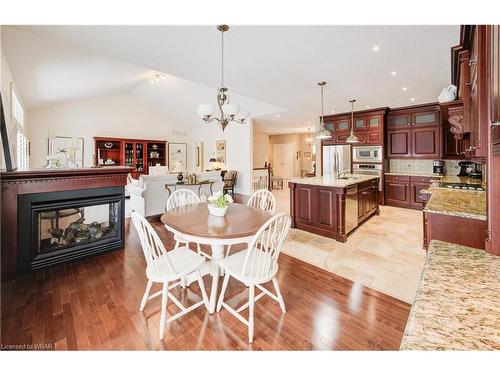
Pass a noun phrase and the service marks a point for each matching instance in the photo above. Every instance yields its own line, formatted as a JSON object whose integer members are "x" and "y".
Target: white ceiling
{"x": 277, "y": 65}
{"x": 48, "y": 72}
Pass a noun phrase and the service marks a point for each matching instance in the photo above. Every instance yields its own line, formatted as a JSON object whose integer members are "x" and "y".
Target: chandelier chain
{"x": 222, "y": 59}
{"x": 322, "y": 106}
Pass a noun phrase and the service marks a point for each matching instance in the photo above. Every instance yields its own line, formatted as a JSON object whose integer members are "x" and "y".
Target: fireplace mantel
{"x": 18, "y": 183}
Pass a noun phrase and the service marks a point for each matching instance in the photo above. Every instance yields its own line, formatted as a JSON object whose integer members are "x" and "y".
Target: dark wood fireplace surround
{"x": 18, "y": 184}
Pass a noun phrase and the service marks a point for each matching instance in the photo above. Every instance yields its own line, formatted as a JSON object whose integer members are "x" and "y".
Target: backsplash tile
{"x": 410, "y": 166}
{"x": 451, "y": 167}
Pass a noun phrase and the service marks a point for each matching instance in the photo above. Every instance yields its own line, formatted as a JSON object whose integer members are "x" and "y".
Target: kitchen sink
{"x": 349, "y": 178}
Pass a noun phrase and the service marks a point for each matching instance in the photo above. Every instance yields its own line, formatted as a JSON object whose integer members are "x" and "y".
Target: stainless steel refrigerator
{"x": 336, "y": 159}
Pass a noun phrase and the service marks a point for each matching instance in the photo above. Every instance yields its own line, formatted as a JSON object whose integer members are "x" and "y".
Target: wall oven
{"x": 369, "y": 169}
{"x": 367, "y": 154}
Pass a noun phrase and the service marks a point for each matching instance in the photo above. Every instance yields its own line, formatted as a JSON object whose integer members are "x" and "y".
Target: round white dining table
{"x": 194, "y": 224}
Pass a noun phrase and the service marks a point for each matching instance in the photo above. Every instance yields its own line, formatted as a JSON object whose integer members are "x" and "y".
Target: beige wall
{"x": 300, "y": 145}
{"x": 260, "y": 149}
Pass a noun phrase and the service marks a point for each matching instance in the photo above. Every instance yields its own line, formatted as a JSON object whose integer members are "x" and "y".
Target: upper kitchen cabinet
{"x": 470, "y": 74}
{"x": 414, "y": 132}
{"x": 368, "y": 127}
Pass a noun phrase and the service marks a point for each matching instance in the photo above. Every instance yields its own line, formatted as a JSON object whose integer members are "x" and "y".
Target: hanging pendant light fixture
{"x": 322, "y": 133}
{"x": 352, "y": 137}
{"x": 228, "y": 112}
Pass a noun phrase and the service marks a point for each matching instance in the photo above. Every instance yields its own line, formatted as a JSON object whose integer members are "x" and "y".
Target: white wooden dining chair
{"x": 166, "y": 267}
{"x": 263, "y": 200}
{"x": 180, "y": 198}
{"x": 255, "y": 266}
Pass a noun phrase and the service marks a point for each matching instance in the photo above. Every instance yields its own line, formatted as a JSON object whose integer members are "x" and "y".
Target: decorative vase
{"x": 217, "y": 211}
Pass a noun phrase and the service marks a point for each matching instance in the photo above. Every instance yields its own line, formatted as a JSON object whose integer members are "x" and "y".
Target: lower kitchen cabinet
{"x": 332, "y": 211}
{"x": 454, "y": 229}
{"x": 397, "y": 191}
{"x": 406, "y": 191}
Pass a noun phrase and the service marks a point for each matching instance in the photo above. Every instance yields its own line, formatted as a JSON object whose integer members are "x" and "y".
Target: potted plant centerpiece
{"x": 218, "y": 203}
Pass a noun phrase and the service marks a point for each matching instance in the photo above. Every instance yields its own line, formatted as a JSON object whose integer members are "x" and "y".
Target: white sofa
{"x": 148, "y": 194}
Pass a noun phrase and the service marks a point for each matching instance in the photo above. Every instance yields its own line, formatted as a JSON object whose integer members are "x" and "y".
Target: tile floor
{"x": 384, "y": 253}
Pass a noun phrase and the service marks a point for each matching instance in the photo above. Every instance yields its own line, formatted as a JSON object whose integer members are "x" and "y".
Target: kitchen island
{"x": 333, "y": 206}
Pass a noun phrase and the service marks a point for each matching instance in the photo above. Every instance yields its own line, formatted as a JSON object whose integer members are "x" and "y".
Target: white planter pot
{"x": 217, "y": 211}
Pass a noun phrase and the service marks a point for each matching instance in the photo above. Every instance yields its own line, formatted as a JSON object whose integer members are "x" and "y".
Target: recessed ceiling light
{"x": 367, "y": 106}
{"x": 332, "y": 111}
{"x": 393, "y": 73}
{"x": 412, "y": 99}
{"x": 375, "y": 48}
{"x": 405, "y": 88}
{"x": 278, "y": 115}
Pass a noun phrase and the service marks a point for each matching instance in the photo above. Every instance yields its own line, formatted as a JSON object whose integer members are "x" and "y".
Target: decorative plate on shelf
{"x": 108, "y": 144}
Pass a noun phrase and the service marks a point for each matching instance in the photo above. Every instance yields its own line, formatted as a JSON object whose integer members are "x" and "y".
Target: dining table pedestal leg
{"x": 217, "y": 254}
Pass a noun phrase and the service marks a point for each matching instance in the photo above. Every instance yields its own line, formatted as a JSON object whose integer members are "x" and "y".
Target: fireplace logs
{"x": 77, "y": 232}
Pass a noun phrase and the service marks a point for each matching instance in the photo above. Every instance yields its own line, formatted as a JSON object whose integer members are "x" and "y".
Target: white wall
{"x": 239, "y": 149}
{"x": 122, "y": 115}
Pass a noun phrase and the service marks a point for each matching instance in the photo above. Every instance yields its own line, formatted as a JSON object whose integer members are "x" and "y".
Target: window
{"x": 22, "y": 141}
{"x": 22, "y": 151}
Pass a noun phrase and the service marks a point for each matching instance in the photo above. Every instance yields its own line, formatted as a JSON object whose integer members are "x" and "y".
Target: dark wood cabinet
{"x": 406, "y": 191}
{"x": 324, "y": 210}
{"x": 417, "y": 198}
{"x": 399, "y": 143}
{"x": 368, "y": 127}
{"x": 397, "y": 191}
{"x": 398, "y": 120}
{"x": 414, "y": 132}
{"x": 426, "y": 142}
{"x": 425, "y": 118}
{"x": 139, "y": 154}
{"x": 454, "y": 229}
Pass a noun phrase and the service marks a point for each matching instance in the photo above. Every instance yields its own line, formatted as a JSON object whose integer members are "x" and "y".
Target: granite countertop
{"x": 468, "y": 204}
{"x": 457, "y": 305}
{"x": 332, "y": 180}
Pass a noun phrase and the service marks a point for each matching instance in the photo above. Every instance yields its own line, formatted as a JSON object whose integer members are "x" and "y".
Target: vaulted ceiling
{"x": 272, "y": 69}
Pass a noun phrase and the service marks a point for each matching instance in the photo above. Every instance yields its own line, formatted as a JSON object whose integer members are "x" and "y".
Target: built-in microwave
{"x": 367, "y": 154}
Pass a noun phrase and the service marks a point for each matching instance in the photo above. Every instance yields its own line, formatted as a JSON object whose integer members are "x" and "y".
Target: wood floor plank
{"x": 93, "y": 304}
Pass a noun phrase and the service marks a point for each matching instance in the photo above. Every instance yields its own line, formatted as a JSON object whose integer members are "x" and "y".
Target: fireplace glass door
{"x": 63, "y": 228}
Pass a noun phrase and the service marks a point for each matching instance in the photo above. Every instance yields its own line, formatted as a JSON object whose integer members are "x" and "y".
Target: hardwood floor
{"x": 94, "y": 304}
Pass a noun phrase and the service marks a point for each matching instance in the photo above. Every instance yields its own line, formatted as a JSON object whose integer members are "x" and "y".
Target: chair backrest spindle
{"x": 263, "y": 200}
{"x": 264, "y": 249}
{"x": 155, "y": 253}
{"x": 180, "y": 198}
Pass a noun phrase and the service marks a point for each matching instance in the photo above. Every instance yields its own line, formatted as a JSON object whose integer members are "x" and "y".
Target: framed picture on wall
{"x": 177, "y": 152}
{"x": 307, "y": 154}
{"x": 221, "y": 159}
{"x": 220, "y": 147}
{"x": 63, "y": 147}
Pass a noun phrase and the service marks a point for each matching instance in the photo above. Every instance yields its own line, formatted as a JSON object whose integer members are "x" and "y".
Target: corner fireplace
{"x": 58, "y": 227}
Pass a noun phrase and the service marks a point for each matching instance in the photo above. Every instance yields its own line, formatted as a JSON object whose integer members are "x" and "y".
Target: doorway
{"x": 283, "y": 160}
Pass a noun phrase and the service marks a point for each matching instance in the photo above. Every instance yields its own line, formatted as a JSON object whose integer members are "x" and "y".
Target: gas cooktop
{"x": 461, "y": 186}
